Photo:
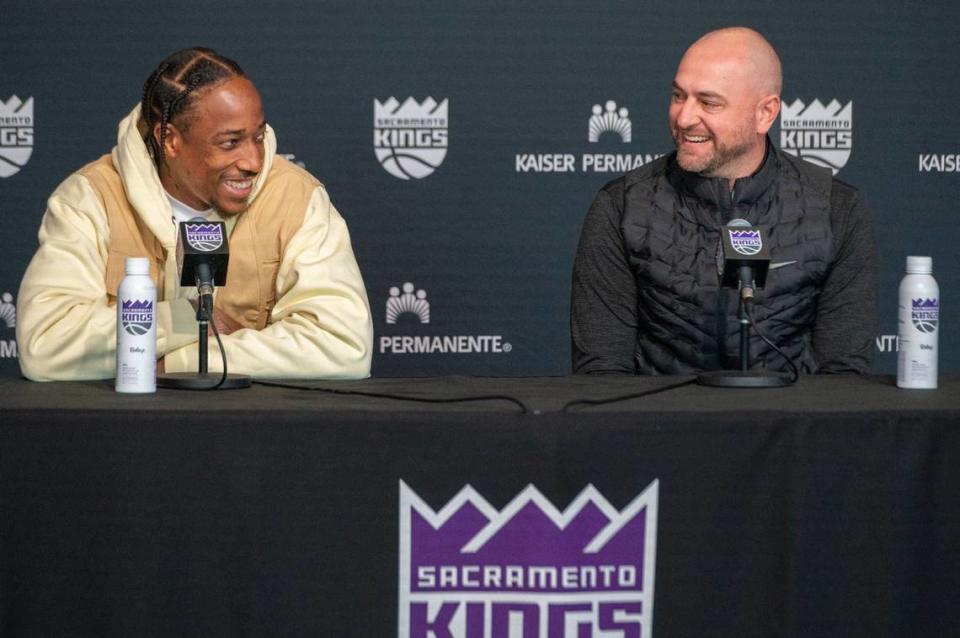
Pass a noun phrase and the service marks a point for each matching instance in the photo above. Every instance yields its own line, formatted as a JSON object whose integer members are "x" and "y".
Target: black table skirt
{"x": 826, "y": 509}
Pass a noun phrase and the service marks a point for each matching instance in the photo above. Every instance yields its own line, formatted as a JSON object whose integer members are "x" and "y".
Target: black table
{"x": 829, "y": 508}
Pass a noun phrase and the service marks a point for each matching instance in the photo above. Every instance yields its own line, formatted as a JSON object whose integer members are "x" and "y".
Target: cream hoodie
{"x": 320, "y": 325}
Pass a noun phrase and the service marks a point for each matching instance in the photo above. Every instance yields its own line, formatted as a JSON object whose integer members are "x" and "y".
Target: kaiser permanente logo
{"x": 410, "y": 139}
{"x": 8, "y": 319}
{"x": 939, "y": 163}
{"x": 606, "y": 124}
{"x": 469, "y": 570}
{"x": 609, "y": 120}
{"x": 16, "y": 134}
{"x": 409, "y": 309}
{"x": 822, "y": 135}
{"x": 408, "y": 303}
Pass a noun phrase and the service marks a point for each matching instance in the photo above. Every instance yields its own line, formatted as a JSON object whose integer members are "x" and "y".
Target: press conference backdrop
{"x": 463, "y": 142}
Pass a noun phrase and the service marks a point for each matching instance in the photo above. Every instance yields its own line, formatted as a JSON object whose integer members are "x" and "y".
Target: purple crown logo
{"x": 469, "y": 566}
{"x": 925, "y": 314}
{"x": 137, "y": 304}
{"x": 136, "y": 316}
{"x": 746, "y": 242}
{"x": 205, "y": 237}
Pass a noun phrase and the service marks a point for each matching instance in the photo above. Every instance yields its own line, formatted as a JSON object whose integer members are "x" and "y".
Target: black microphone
{"x": 743, "y": 258}
{"x": 202, "y": 257}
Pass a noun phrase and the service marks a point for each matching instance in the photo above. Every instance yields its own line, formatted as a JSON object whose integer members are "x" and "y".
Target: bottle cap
{"x": 137, "y": 266}
{"x": 919, "y": 265}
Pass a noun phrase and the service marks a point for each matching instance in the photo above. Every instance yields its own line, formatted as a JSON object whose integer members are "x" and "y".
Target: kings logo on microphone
{"x": 205, "y": 237}
{"x": 746, "y": 242}
{"x": 16, "y": 134}
{"x": 136, "y": 316}
{"x": 469, "y": 570}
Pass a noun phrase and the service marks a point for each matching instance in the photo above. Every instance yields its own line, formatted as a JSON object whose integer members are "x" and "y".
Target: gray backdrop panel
{"x": 492, "y": 247}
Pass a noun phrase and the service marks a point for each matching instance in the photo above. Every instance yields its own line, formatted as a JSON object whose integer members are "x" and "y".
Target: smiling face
{"x": 214, "y": 151}
{"x": 725, "y": 98}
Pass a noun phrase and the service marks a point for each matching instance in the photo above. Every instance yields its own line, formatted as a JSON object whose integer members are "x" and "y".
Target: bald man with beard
{"x": 646, "y": 296}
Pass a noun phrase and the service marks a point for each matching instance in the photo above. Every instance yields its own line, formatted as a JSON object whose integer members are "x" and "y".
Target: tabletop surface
{"x": 536, "y": 395}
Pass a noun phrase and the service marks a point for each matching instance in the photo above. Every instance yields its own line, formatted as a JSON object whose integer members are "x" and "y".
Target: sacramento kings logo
{"x": 205, "y": 237}
{"x": 925, "y": 313}
{"x": 16, "y": 135}
{"x": 410, "y": 140}
{"x": 822, "y": 135}
{"x": 746, "y": 242}
{"x": 136, "y": 317}
{"x": 468, "y": 570}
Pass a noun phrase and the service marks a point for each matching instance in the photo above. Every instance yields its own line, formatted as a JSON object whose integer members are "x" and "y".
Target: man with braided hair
{"x": 197, "y": 145}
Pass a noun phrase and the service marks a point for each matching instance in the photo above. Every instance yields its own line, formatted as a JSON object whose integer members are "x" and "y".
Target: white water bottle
{"x": 137, "y": 328}
{"x": 918, "y": 324}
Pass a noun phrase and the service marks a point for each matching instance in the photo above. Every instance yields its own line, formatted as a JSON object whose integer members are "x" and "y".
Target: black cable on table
{"x": 626, "y": 397}
{"x": 399, "y": 397}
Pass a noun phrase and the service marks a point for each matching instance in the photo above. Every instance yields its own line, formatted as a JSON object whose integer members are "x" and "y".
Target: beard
{"x": 724, "y": 154}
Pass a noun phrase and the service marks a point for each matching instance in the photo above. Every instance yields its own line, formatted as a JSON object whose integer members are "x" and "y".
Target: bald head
{"x": 743, "y": 48}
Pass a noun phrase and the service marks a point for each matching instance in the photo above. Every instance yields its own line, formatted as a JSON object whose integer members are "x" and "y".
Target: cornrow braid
{"x": 171, "y": 107}
{"x": 169, "y": 92}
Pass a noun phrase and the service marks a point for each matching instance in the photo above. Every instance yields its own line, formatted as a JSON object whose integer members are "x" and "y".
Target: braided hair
{"x": 169, "y": 92}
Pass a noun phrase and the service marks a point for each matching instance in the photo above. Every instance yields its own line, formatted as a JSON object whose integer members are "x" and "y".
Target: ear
{"x": 173, "y": 142}
{"x": 767, "y": 110}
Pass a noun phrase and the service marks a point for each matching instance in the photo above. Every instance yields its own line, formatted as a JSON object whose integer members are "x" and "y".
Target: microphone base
{"x": 740, "y": 379}
{"x": 196, "y": 381}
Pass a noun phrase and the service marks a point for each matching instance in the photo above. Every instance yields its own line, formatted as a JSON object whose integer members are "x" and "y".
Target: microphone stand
{"x": 202, "y": 380}
{"x": 744, "y": 336}
{"x": 203, "y": 321}
{"x": 744, "y": 377}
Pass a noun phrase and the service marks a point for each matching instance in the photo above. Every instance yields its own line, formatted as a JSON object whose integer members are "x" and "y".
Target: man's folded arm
{"x": 320, "y": 325}
{"x": 66, "y": 324}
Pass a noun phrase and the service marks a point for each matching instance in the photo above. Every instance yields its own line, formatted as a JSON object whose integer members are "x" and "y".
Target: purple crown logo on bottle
{"x": 469, "y": 570}
{"x": 205, "y": 237}
{"x": 746, "y": 242}
{"x": 925, "y": 314}
{"x": 136, "y": 316}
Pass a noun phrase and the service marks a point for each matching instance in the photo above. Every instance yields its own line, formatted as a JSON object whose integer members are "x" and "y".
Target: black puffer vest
{"x": 671, "y": 225}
